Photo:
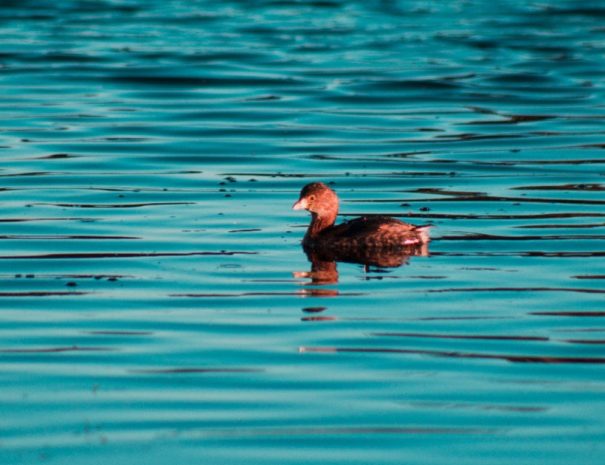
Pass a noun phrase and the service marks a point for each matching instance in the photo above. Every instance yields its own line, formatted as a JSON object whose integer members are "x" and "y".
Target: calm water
{"x": 155, "y": 305}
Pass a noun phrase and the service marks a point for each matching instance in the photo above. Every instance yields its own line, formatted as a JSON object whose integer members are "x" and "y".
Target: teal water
{"x": 155, "y": 304}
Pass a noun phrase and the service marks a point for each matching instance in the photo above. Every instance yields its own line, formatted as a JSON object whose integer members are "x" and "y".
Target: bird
{"x": 359, "y": 239}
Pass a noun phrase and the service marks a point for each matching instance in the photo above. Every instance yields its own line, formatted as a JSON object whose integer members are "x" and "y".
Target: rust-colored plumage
{"x": 358, "y": 237}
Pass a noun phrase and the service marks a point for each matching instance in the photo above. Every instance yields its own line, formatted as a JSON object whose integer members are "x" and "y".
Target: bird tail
{"x": 424, "y": 233}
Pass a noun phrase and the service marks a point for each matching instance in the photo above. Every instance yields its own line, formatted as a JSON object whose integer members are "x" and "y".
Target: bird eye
{"x": 311, "y": 198}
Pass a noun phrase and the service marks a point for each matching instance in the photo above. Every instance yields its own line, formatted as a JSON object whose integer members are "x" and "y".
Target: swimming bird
{"x": 359, "y": 238}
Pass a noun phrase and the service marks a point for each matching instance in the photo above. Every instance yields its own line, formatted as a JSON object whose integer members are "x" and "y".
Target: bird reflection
{"x": 324, "y": 259}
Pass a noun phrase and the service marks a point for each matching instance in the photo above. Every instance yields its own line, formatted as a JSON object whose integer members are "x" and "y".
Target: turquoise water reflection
{"x": 155, "y": 303}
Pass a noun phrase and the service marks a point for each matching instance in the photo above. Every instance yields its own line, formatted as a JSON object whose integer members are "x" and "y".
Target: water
{"x": 156, "y": 305}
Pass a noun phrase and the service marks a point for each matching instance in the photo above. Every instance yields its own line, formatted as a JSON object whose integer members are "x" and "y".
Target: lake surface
{"x": 155, "y": 304}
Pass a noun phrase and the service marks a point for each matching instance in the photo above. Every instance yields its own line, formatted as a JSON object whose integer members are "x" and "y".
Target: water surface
{"x": 155, "y": 304}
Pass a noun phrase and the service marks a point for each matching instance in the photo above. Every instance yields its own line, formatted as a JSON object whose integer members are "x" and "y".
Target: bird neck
{"x": 320, "y": 222}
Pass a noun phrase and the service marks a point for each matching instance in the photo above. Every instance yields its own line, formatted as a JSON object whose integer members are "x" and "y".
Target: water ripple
{"x": 179, "y": 316}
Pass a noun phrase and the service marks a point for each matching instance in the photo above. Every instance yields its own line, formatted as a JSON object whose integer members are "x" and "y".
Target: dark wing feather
{"x": 370, "y": 228}
{"x": 372, "y": 240}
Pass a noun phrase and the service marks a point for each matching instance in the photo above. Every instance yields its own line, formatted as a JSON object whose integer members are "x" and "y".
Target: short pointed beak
{"x": 300, "y": 205}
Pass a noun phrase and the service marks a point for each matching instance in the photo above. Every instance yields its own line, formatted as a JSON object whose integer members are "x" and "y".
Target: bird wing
{"x": 367, "y": 225}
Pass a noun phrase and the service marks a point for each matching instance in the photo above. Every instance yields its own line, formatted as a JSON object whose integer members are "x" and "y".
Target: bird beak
{"x": 300, "y": 205}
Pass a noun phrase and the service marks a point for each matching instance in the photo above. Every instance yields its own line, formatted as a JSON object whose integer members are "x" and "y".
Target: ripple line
{"x": 196, "y": 370}
{"x": 518, "y": 289}
{"x": 40, "y": 294}
{"x": 522, "y": 254}
{"x": 46, "y": 350}
{"x": 466, "y": 355}
{"x": 23, "y": 220}
{"x": 116, "y": 205}
{"x": 65, "y": 237}
{"x": 56, "y": 256}
{"x": 571, "y": 313}
{"x": 349, "y": 430}
{"x": 494, "y": 237}
{"x": 465, "y": 336}
{"x": 118, "y": 333}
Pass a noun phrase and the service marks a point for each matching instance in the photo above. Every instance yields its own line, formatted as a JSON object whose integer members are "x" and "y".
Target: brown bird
{"x": 361, "y": 236}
